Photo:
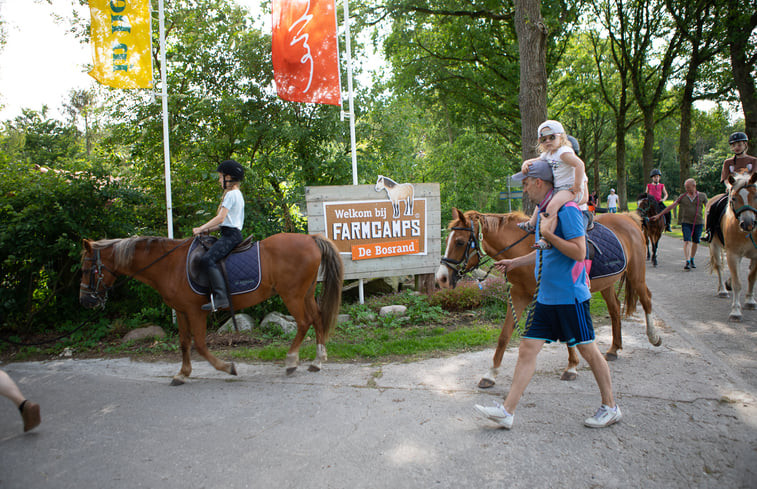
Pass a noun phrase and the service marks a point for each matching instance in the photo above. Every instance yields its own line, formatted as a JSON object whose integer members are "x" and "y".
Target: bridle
{"x": 473, "y": 248}
{"x": 96, "y": 278}
{"x": 742, "y": 209}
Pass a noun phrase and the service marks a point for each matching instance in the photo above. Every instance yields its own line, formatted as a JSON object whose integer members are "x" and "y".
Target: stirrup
{"x": 212, "y": 307}
{"x": 527, "y": 226}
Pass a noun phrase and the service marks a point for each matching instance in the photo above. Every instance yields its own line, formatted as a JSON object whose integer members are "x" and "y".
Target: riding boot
{"x": 219, "y": 298}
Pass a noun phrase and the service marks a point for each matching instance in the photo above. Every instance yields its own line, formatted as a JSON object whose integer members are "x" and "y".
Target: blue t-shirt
{"x": 563, "y": 280}
{"x": 234, "y": 202}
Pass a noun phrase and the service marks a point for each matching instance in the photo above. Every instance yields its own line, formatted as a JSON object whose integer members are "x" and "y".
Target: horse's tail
{"x": 632, "y": 297}
{"x": 333, "y": 276}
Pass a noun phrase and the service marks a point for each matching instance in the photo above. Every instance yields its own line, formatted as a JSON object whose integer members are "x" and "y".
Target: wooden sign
{"x": 381, "y": 230}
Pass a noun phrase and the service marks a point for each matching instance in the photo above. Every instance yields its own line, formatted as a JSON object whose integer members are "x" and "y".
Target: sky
{"x": 42, "y": 61}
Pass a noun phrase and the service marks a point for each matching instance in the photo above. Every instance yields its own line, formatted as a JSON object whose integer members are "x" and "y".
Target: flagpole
{"x": 164, "y": 98}
{"x": 361, "y": 290}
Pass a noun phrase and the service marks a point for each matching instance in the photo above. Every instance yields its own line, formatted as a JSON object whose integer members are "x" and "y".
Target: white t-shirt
{"x": 612, "y": 200}
{"x": 563, "y": 173}
{"x": 234, "y": 202}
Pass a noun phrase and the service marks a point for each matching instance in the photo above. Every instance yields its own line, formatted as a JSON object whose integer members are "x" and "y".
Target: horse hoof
{"x": 314, "y": 368}
{"x": 175, "y": 382}
{"x": 723, "y": 295}
{"x": 291, "y": 370}
{"x": 569, "y": 376}
{"x": 735, "y": 318}
{"x": 751, "y": 307}
{"x": 485, "y": 383}
{"x": 611, "y": 357}
{"x": 658, "y": 343}
{"x": 233, "y": 369}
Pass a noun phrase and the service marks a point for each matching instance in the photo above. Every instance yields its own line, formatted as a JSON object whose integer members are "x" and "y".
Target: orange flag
{"x": 305, "y": 54}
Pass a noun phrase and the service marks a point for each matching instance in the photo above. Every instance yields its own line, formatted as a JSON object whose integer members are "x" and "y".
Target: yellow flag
{"x": 121, "y": 44}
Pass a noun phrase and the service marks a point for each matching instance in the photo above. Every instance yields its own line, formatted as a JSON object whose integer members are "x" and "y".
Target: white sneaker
{"x": 497, "y": 413}
{"x": 605, "y": 416}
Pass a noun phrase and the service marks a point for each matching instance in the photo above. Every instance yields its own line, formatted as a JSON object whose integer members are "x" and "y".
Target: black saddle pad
{"x": 242, "y": 268}
{"x": 715, "y": 214}
{"x": 609, "y": 258}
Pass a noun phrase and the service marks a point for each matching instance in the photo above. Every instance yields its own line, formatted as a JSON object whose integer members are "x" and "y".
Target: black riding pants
{"x": 230, "y": 238}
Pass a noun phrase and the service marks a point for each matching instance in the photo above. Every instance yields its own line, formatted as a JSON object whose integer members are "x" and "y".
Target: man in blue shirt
{"x": 561, "y": 312}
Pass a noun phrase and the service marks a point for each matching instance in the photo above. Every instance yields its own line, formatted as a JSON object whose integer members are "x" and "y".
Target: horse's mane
{"x": 492, "y": 222}
{"x": 741, "y": 180}
{"x": 123, "y": 249}
{"x": 388, "y": 182}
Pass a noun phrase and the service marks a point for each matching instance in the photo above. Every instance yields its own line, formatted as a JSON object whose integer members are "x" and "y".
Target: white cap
{"x": 548, "y": 128}
{"x": 612, "y": 190}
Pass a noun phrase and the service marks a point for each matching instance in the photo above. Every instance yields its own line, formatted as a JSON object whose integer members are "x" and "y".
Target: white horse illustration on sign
{"x": 397, "y": 192}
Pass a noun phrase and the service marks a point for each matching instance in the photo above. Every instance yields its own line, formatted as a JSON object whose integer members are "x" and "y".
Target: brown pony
{"x": 739, "y": 225}
{"x": 498, "y": 236}
{"x": 289, "y": 267}
{"x": 653, "y": 228}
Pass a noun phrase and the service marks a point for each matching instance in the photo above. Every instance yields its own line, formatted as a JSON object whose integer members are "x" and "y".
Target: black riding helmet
{"x": 232, "y": 169}
{"x": 654, "y": 172}
{"x": 736, "y": 137}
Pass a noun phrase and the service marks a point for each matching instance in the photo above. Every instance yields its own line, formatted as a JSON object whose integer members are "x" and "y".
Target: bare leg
{"x": 9, "y": 389}
{"x": 601, "y": 371}
{"x": 524, "y": 371}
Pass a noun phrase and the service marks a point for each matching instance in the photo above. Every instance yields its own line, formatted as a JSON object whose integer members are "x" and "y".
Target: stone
{"x": 151, "y": 331}
{"x": 244, "y": 323}
{"x": 395, "y": 310}
{"x": 286, "y": 323}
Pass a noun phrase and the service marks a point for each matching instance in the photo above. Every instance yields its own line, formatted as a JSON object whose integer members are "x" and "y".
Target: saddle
{"x": 241, "y": 267}
{"x": 605, "y": 252}
{"x": 714, "y": 216}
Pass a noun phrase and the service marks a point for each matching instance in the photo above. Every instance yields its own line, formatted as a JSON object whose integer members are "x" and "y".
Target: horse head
{"x": 645, "y": 205}
{"x": 463, "y": 250}
{"x": 96, "y": 277}
{"x": 379, "y": 184}
{"x": 742, "y": 198}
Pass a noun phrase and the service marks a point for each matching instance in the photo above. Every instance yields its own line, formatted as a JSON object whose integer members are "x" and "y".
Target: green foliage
{"x": 466, "y": 295}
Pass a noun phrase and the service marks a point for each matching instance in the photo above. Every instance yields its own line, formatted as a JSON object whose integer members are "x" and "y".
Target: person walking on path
{"x": 561, "y": 311}
{"x": 690, "y": 217}
{"x": 29, "y": 410}
{"x": 612, "y": 202}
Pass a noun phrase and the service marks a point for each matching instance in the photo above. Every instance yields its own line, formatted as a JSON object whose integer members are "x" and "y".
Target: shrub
{"x": 466, "y": 295}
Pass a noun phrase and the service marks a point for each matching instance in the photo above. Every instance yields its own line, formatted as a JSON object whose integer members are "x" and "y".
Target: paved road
{"x": 690, "y": 417}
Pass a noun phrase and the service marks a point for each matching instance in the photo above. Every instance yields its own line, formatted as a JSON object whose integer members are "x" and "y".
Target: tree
{"x": 740, "y": 28}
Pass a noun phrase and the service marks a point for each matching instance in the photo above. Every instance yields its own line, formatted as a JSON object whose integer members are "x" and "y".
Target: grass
{"x": 426, "y": 330}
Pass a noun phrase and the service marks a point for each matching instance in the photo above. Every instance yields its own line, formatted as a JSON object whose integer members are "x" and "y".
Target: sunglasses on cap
{"x": 544, "y": 139}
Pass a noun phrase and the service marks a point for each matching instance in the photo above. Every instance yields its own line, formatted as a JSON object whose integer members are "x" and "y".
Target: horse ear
{"x": 87, "y": 245}
{"x": 753, "y": 179}
{"x": 731, "y": 179}
{"x": 457, "y": 214}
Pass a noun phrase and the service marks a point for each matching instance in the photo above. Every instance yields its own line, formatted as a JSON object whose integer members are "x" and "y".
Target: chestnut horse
{"x": 739, "y": 225}
{"x": 289, "y": 267}
{"x": 653, "y": 229}
{"x": 498, "y": 236}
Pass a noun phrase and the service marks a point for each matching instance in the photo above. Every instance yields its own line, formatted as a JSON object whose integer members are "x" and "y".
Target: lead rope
{"x": 530, "y": 317}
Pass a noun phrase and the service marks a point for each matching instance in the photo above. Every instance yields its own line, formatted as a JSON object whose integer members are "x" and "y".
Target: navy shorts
{"x": 691, "y": 233}
{"x": 569, "y": 323}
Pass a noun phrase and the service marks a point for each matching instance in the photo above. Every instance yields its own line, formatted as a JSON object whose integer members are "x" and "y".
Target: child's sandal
{"x": 527, "y": 226}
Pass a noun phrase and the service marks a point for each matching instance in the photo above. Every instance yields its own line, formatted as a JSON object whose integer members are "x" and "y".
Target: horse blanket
{"x": 609, "y": 258}
{"x": 242, "y": 267}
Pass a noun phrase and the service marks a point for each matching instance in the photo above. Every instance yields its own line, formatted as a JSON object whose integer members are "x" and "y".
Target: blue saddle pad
{"x": 242, "y": 269}
{"x": 609, "y": 258}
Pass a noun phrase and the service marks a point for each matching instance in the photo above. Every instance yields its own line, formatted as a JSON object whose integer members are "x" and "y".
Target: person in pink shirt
{"x": 659, "y": 192}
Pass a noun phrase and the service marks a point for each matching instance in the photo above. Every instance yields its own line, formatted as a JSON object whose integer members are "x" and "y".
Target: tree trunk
{"x": 745, "y": 83}
{"x": 532, "y": 97}
{"x": 647, "y": 156}
{"x": 620, "y": 159}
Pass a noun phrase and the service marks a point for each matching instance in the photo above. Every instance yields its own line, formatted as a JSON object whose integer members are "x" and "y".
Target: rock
{"x": 286, "y": 323}
{"x": 142, "y": 333}
{"x": 244, "y": 323}
{"x": 342, "y": 318}
{"x": 395, "y": 310}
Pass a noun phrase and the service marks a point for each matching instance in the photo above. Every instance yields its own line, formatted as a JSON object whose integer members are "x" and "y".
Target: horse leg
{"x": 613, "y": 307}
{"x": 716, "y": 263}
{"x": 198, "y": 328}
{"x": 571, "y": 371}
{"x": 320, "y": 333}
{"x": 296, "y": 307}
{"x": 750, "y": 302}
{"x": 734, "y": 261}
{"x": 185, "y": 342}
{"x": 519, "y": 303}
{"x": 654, "y": 252}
